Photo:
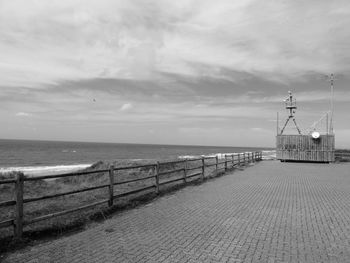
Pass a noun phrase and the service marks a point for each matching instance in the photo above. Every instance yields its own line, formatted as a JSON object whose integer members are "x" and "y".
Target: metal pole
{"x": 332, "y": 104}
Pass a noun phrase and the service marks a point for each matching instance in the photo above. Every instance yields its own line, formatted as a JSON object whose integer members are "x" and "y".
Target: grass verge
{"x": 78, "y": 221}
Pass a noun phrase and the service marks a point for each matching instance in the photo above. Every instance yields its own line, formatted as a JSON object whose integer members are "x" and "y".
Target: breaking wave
{"x": 45, "y": 170}
{"x": 266, "y": 155}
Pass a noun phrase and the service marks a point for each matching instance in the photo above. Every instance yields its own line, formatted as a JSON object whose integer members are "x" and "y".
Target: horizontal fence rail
{"x": 157, "y": 174}
{"x": 339, "y": 155}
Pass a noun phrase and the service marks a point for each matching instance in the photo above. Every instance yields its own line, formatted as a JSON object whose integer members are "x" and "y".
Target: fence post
{"x": 19, "y": 205}
{"x": 225, "y": 163}
{"x": 185, "y": 171}
{"x": 111, "y": 184}
{"x": 203, "y": 166}
{"x": 157, "y": 177}
{"x": 239, "y": 159}
{"x": 216, "y": 164}
{"x": 233, "y": 161}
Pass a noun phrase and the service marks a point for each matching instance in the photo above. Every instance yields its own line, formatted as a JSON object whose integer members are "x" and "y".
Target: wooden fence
{"x": 18, "y": 222}
{"x": 342, "y": 155}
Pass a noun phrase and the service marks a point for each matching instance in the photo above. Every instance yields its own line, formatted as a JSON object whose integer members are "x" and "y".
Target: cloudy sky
{"x": 198, "y": 72}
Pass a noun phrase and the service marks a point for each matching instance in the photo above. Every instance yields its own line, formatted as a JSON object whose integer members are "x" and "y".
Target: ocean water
{"x": 48, "y": 157}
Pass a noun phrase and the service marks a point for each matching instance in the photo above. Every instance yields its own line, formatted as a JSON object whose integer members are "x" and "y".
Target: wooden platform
{"x": 305, "y": 148}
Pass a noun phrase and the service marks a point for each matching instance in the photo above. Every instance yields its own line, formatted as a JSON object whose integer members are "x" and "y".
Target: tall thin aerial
{"x": 332, "y": 103}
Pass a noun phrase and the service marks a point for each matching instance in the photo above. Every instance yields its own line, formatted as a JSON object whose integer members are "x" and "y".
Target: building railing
{"x": 19, "y": 221}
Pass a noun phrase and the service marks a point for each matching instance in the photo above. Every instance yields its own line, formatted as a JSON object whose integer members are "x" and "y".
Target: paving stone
{"x": 269, "y": 212}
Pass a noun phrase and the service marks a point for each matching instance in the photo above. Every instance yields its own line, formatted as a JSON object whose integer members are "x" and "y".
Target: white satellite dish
{"x": 315, "y": 135}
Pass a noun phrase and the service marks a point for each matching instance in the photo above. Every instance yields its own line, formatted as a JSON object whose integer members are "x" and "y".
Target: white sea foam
{"x": 219, "y": 155}
{"x": 266, "y": 155}
{"x": 45, "y": 170}
{"x": 269, "y": 155}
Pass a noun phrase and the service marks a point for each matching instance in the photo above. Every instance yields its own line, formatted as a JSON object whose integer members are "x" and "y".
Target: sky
{"x": 197, "y": 72}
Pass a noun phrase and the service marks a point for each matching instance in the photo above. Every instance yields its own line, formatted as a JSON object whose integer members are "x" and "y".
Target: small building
{"x": 305, "y": 148}
{"x": 314, "y": 146}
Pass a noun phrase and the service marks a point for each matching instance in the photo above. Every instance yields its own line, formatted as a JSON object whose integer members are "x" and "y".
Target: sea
{"x": 52, "y": 157}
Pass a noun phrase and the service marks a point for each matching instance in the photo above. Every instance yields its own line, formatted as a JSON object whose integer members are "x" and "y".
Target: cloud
{"x": 126, "y": 107}
{"x": 46, "y": 43}
{"x": 169, "y": 64}
{"x": 24, "y": 114}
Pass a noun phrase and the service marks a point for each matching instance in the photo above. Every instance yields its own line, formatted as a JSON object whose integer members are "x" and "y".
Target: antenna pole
{"x": 332, "y": 103}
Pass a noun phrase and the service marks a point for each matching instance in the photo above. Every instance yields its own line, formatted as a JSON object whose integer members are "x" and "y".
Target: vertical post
{"x": 233, "y": 161}
{"x": 239, "y": 159}
{"x": 225, "y": 163}
{"x": 111, "y": 183}
{"x": 332, "y": 104}
{"x": 185, "y": 171}
{"x": 244, "y": 158}
{"x": 157, "y": 177}
{"x": 19, "y": 205}
{"x": 216, "y": 164}
{"x": 203, "y": 166}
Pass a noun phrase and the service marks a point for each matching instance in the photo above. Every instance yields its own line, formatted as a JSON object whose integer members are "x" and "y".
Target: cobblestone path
{"x": 270, "y": 212}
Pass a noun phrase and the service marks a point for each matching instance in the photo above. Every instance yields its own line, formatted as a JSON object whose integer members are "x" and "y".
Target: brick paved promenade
{"x": 270, "y": 212}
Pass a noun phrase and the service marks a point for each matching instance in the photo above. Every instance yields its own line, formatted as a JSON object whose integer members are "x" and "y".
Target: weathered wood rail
{"x": 19, "y": 222}
{"x": 342, "y": 155}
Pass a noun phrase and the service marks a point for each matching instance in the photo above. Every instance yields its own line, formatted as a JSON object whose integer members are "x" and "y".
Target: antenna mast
{"x": 332, "y": 103}
{"x": 291, "y": 105}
